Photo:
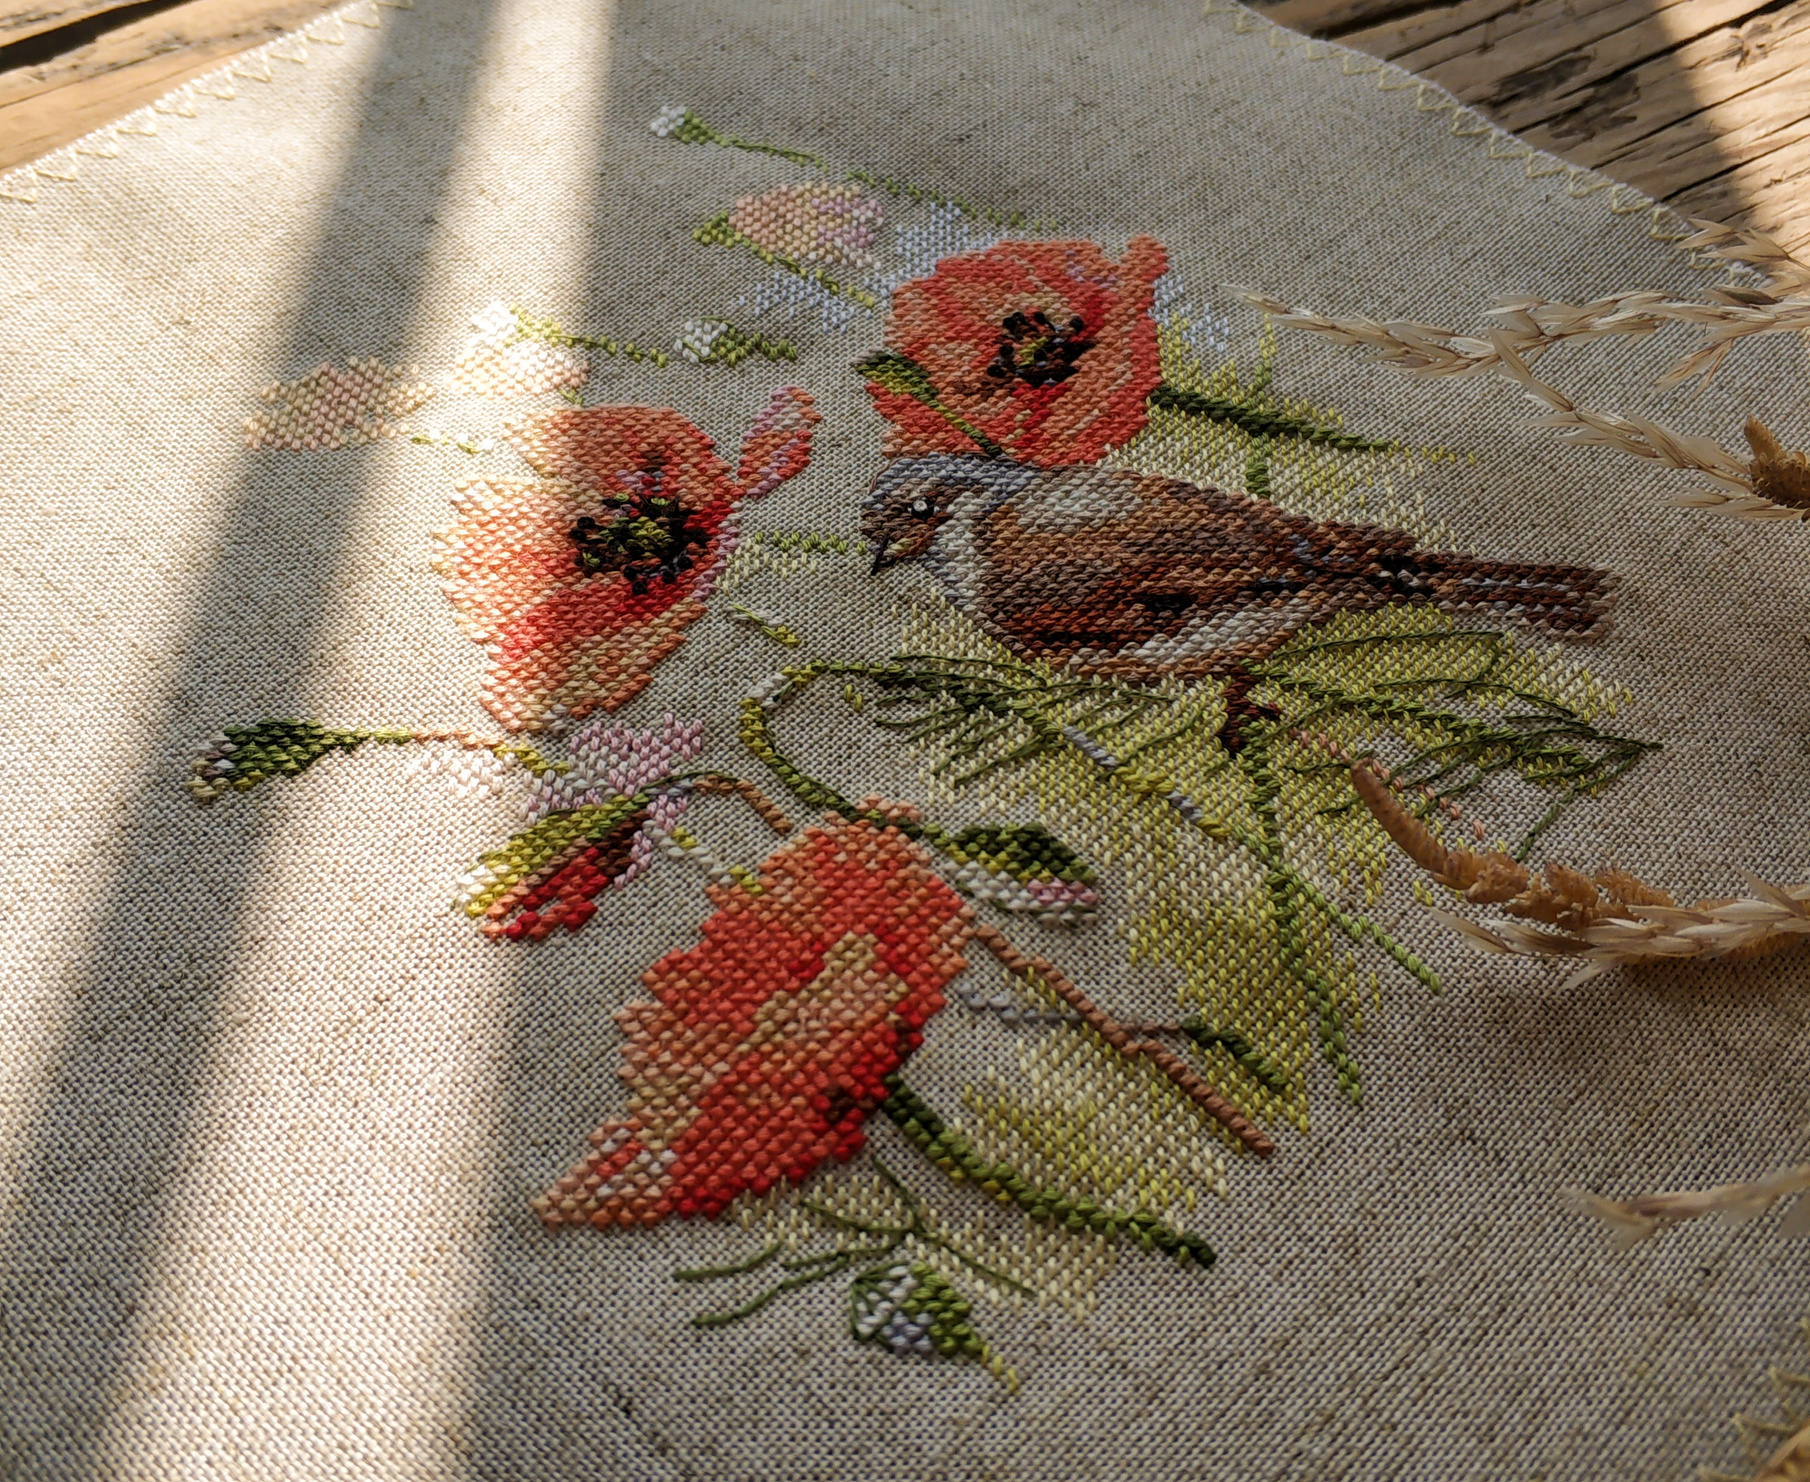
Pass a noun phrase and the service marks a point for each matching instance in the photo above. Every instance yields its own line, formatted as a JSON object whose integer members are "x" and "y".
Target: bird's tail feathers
{"x": 1568, "y": 601}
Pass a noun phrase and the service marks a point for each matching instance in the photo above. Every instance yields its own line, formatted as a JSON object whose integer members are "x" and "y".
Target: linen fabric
{"x": 272, "y": 1117}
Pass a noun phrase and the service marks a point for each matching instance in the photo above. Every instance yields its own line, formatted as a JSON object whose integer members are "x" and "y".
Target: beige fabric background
{"x": 269, "y": 1117}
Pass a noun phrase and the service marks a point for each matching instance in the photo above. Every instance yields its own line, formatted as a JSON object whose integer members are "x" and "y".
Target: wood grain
{"x": 45, "y": 107}
{"x": 35, "y": 20}
{"x": 1704, "y": 104}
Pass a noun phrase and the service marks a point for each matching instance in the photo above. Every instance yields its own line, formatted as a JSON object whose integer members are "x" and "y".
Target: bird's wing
{"x": 1114, "y": 561}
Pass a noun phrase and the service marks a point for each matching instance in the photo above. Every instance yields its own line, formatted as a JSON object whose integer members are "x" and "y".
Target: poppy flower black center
{"x": 1036, "y": 351}
{"x": 647, "y": 535}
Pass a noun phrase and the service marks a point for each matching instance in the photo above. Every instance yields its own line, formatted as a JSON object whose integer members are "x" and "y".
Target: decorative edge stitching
{"x": 1663, "y": 225}
{"x": 21, "y": 185}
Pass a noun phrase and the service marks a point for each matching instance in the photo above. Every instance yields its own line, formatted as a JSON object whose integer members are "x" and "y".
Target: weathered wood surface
{"x": 54, "y": 102}
{"x": 1704, "y": 104}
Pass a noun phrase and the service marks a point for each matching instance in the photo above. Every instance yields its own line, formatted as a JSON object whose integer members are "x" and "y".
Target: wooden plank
{"x": 1442, "y": 33}
{"x": 1771, "y": 192}
{"x": 44, "y": 108}
{"x": 1689, "y": 155}
{"x": 1335, "y": 17}
{"x": 1714, "y": 101}
{"x": 1553, "y": 55}
{"x": 1703, "y": 103}
{"x": 34, "y": 20}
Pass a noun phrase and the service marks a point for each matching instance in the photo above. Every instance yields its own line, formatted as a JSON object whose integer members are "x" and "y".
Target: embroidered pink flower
{"x": 334, "y": 408}
{"x": 581, "y": 585}
{"x": 1044, "y": 351}
{"x": 835, "y": 224}
{"x": 589, "y": 829}
{"x": 765, "y": 1048}
{"x": 607, "y": 759}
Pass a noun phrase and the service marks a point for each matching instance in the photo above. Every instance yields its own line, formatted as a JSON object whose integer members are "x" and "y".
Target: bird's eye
{"x": 921, "y": 508}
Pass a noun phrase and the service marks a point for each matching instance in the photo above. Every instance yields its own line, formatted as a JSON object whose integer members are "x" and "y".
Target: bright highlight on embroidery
{"x": 1176, "y": 657}
{"x": 581, "y": 585}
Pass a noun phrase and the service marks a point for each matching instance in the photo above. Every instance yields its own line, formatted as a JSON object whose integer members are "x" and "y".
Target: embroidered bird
{"x": 1107, "y": 571}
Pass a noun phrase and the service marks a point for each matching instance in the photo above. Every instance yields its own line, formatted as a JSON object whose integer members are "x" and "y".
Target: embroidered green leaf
{"x": 899, "y": 373}
{"x": 905, "y": 377}
{"x": 955, "y": 1155}
{"x": 1025, "y": 851}
{"x": 1021, "y": 867}
{"x": 241, "y": 757}
{"x": 525, "y": 860}
{"x": 1264, "y": 422}
{"x": 1238, "y": 1047}
{"x": 913, "y": 1308}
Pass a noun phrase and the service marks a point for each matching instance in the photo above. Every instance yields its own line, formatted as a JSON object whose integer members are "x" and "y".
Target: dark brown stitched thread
{"x": 1178, "y": 1072}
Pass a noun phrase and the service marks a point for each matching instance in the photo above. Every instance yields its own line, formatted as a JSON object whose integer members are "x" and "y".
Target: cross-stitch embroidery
{"x": 581, "y": 585}
{"x": 1141, "y": 594}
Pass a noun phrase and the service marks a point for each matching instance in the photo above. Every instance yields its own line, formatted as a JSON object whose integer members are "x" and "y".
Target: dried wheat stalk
{"x": 1790, "y": 1463}
{"x": 1781, "y": 478}
{"x": 1775, "y": 485}
{"x": 1606, "y": 920}
{"x": 1535, "y": 323}
{"x": 1631, "y": 1221}
{"x": 1785, "y": 275}
{"x": 1423, "y": 348}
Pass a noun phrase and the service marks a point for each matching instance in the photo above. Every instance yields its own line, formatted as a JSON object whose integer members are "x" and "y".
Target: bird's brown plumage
{"x": 1113, "y": 572}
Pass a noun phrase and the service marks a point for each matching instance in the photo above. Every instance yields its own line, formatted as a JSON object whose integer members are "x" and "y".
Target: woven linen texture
{"x": 273, "y": 1117}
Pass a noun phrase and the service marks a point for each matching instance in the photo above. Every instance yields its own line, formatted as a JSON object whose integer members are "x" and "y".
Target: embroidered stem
{"x": 719, "y": 784}
{"x": 682, "y": 124}
{"x": 952, "y": 1152}
{"x": 1257, "y": 469}
{"x": 240, "y": 757}
{"x": 686, "y": 127}
{"x": 539, "y": 327}
{"x": 945, "y": 1327}
{"x": 900, "y": 374}
{"x": 739, "y": 1268}
{"x": 1264, "y": 421}
{"x": 1174, "y": 1069}
{"x": 718, "y": 232}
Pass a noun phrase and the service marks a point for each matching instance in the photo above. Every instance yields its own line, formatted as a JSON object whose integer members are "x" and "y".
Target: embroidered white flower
{"x": 492, "y": 327}
{"x": 498, "y": 362}
{"x": 699, "y": 338}
{"x": 667, "y": 120}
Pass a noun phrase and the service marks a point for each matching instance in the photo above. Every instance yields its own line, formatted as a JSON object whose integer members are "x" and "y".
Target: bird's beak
{"x": 881, "y": 559}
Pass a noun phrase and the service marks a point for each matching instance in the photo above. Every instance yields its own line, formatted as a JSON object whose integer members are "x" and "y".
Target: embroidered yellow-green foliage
{"x": 1286, "y": 447}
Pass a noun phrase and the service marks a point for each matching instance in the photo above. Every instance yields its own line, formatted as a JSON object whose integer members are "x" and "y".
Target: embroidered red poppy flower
{"x": 765, "y": 1047}
{"x": 580, "y": 586}
{"x": 1047, "y": 350}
